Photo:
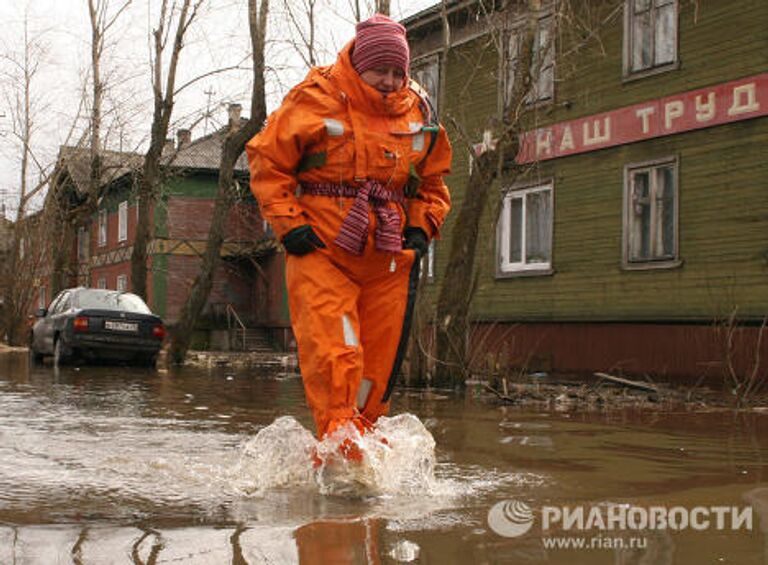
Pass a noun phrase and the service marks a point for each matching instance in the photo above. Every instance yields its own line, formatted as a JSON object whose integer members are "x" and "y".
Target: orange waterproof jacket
{"x": 335, "y": 128}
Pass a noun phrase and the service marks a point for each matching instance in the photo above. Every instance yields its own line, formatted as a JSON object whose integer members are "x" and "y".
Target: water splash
{"x": 398, "y": 458}
{"x": 278, "y": 456}
{"x": 405, "y": 551}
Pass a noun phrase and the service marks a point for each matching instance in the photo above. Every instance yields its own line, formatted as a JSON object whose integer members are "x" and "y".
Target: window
{"x": 427, "y": 73}
{"x": 542, "y": 65}
{"x": 122, "y": 283}
{"x": 650, "y": 31}
{"x": 102, "y": 282}
{"x": 55, "y": 303}
{"x": 62, "y": 304}
{"x": 122, "y": 221}
{"x": 524, "y": 232}
{"x": 102, "y": 228}
{"x": 650, "y": 214}
{"x": 82, "y": 244}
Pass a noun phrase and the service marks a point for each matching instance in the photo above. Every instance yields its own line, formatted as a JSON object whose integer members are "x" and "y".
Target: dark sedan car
{"x": 91, "y": 324}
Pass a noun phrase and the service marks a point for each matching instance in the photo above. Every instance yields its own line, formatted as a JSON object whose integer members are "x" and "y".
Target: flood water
{"x": 103, "y": 465}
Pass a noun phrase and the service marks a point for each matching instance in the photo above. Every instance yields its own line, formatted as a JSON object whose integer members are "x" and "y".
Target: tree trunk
{"x": 382, "y": 7}
{"x": 454, "y": 356}
{"x": 149, "y": 181}
{"x": 459, "y": 279}
{"x": 234, "y": 145}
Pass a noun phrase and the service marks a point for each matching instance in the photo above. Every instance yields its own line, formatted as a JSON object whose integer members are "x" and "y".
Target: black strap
{"x": 413, "y": 286}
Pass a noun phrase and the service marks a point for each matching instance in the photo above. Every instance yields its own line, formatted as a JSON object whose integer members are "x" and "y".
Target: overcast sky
{"x": 218, "y": 39}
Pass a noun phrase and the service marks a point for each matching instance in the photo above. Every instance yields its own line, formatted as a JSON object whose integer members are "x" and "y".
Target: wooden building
{"x": 248, "y": 289}
{"x": 635, "y": 239}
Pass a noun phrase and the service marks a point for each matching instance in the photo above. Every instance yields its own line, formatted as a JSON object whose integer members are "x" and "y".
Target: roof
{"x": 204, "y": 153}
{"x": 432, "y": 13}
{"x": 77, "y": 162}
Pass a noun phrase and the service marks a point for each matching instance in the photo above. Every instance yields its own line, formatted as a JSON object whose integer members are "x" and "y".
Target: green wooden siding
{"x": 723, "y": 183}
{"x": 193, "y": 186}
{"x": 725, "y": 41}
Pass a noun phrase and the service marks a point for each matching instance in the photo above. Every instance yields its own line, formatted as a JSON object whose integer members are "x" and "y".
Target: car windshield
{"x": 122, "y": 301}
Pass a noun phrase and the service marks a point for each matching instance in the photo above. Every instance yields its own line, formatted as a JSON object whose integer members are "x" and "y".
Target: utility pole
{"x": 209, "y": 93}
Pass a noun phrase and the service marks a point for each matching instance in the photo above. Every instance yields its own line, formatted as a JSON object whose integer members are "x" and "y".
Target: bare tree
{"x": 453, "y": 325}
{"x": 63, "y": 214}
{"x": 163, "y": 93}
{"x": 306, "y": 46}
{"x": 234, "y": 145}
{"x": 101, "y": 22}
{"x": 22, "y": 94}
{"x": 382, "y": 7}
{"x": 355, "y": 6}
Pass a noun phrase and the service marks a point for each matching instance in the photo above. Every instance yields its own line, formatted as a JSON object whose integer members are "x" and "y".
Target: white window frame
{"x": 543, "y": 88}
{"x": 102, "y": 282}
{"x": 122, "y": 221}
{"x": 121, "y": 283}
{"x": 506, "y": 267}
{"x": 633, "y": 11}
{"x": 102, "y": 227}
{"x": 656, "y": 260}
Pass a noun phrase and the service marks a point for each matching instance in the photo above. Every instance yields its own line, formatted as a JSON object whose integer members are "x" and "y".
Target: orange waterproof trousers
{"x": 349, "y": 319}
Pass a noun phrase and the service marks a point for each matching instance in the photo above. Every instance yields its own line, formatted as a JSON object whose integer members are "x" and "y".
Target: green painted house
{"x": 632, "y": 235}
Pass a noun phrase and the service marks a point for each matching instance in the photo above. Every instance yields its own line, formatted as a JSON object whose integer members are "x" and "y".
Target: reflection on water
{"x": 116, "y": 465}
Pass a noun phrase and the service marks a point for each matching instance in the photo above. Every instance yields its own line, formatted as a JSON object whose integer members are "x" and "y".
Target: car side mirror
{"x": 41, "y": 312}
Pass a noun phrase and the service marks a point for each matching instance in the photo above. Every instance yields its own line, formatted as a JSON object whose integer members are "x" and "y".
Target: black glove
{"x": 415, "y": 238}
{"x": 302, "y": 240}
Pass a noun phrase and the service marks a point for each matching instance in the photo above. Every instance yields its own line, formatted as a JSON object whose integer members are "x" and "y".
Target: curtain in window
{"x": 538, "y": 222}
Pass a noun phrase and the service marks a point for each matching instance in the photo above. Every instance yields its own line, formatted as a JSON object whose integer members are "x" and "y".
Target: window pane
{"x": 641, "y": 41}
{"x": 102, "y": 227}
{"x": 122, "y": 221}
{"x": 665, "y": 35}
{"x": 640, "y": 217}
{"x": 515, "y": 230}
{"x": 664, "y": 2}
{"x": 666, "y": 204}
{"x": 538, "y": 214}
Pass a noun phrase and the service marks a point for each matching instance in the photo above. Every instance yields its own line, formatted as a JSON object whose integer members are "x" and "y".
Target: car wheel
{"x": 37, "y": 358}
{"x": 59, "y": 355}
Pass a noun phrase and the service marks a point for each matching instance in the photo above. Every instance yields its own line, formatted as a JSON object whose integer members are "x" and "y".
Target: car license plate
{"x": 121, "y": 326}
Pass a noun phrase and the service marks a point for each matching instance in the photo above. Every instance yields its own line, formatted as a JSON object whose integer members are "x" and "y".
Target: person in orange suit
{"x": 349, "y": 173}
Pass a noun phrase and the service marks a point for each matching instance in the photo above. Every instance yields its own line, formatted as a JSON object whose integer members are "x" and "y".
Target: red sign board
{"x": 721, "y": 104}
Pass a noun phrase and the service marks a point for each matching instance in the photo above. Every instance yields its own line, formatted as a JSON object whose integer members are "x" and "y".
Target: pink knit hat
{"x": 380, "y": 42}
